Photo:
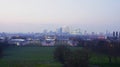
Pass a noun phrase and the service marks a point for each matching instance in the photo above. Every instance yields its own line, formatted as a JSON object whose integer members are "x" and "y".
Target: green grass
{"x": 103, "y": 61}
{"x": 29, "y": 53}
{"x": 28, "y": 57}
{"x": 34, "y": 56}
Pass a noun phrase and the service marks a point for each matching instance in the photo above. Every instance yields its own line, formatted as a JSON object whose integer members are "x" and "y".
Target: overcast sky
{"x": 36, "y": 15}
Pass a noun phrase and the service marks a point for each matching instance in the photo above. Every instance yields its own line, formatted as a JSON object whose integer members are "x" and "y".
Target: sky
{"x": 37, "y": 15}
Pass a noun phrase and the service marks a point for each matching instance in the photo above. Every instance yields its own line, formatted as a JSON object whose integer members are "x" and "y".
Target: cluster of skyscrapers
{"x": 116, "y": 34}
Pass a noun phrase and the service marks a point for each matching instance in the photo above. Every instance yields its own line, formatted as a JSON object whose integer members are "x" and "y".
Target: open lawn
{"x": 28, "y": 57}
{"x": 34, "y": 56}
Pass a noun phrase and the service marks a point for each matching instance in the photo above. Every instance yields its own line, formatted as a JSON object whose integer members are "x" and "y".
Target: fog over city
{"x": 38, "y": 27}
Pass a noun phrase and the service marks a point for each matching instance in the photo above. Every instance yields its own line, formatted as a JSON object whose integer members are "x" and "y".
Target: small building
{"x": 17, "y": 42}
{"x": 2, "y": 39}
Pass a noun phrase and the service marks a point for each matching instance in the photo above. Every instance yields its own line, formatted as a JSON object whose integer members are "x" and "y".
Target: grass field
{"x": 28, "y": 57}
{"x": 42, "y": 57}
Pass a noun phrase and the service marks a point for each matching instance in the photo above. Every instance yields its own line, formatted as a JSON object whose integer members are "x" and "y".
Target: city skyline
{"x": 37, "y": 15}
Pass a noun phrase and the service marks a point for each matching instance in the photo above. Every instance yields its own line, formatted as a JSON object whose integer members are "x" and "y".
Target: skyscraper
{"x": 66, "y": 29}
{"x": 117, "y": 34}
{"x": 60, "y": 30}
{"x": 113, "y": 34}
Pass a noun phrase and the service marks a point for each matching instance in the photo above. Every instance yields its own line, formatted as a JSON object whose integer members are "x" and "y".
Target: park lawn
{"x": 28, "y": 57}
{"x": 28, "y": 53}
{"x": 36, "y": 56}
{"x": 103, "y": 61}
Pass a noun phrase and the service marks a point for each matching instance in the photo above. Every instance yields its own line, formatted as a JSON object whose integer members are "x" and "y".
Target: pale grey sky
{"x": 36, "y": 15}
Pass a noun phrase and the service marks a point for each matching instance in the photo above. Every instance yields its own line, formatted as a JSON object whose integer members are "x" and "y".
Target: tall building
{"x": 117, "y": 35}
{"x": 113, "y": 34}
{"x": 93, "y": 33}
{"x": 45, "y": 31}
{"x": 85, "y": 32}
{"x": 66, "y": 29}
{"x": 108, "y": 34}
{"x": 60, "y": 30}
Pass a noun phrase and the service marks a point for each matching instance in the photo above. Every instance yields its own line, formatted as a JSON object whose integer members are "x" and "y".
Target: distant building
{"x": 85, "y": 32}
{"x": 76, "y": 32}
{"x": 45, "y": 31}
{"x": 66, "y": 29}
{"x": 49, "y": 41}
{"x": 117, "y": 34}
{"x": 2, "y": 39}
{"x": 60, "y": 30}
{"x": 17, "y": 40}
{"x": 113, "y": 34}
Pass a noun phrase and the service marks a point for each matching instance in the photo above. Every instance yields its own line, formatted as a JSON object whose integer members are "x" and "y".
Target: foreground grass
{"x": 28, "y": 53}
{"x": 28, "y": 64}
{"x": 34, "y": 56}
{"x": 28, "y": 57}
{"x": 102, "y": 61}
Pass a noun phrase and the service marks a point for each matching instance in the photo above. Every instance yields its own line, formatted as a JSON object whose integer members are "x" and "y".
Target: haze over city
{"x": 37, "y": 15}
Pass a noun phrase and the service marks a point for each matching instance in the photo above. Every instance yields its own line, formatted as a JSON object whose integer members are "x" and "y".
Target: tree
{"x": 114, "y": 49}
{"x": 1, "y": 50}
{"x": 78, "y": 58}
{"x": 106, "y": 48}
{"x": 3, "y": 45}
{"x": 61, "y": 53}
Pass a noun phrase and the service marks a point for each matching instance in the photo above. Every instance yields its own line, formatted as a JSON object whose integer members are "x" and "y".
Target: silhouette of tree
{"x": 3, "y": 45}
{"x": 78, "y": 58}
{"x": 61, "y": 53}
{"x": 111, "y": 49}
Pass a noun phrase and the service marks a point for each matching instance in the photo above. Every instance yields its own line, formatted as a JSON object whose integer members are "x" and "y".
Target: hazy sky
{"x": 36, "y": 15}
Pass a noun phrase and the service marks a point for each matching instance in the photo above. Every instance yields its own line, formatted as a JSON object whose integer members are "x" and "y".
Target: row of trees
{"x": 80, "y": 57}
{"x": 106, "y": 47}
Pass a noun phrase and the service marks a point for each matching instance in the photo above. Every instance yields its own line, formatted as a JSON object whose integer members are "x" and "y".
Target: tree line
{"x": 111, "y": 48}
{"x": 80, "y": 57}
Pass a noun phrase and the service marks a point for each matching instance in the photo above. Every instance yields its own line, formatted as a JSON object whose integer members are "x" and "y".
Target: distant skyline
{"x": 37, "y": 15}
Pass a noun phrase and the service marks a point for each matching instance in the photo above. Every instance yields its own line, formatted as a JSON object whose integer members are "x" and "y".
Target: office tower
{"x": 66, "y": 29}
{"x": 85, "y": 32}
{"x": 117, "y": 34}
{"x": 113, "y": 34}
{"x": 59, "y": 30}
